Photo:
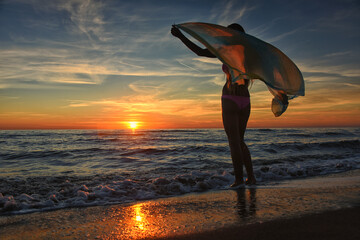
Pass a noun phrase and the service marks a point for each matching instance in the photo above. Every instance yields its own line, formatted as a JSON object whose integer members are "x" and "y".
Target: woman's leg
{"x": 231, "y": 125}
{"x": 248, "y": 165}
{"x": 243, "y": 119}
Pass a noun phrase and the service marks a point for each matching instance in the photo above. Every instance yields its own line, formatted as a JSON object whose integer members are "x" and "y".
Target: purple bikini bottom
{"x": 241, "y": 101}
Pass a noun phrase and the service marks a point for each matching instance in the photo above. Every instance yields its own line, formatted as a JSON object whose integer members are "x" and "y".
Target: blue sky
{"x": 100, "y": 64}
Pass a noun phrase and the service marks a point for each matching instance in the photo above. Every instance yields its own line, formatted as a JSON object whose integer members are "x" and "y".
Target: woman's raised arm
{"x": 202, "y": 52}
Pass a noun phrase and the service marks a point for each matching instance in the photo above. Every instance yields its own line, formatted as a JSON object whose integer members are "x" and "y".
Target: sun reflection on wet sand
{"x": 138, "y": 217}
{"x": 161, "y": 218}
{"x": 139, "y": 226}
{"x": 139, "y": 221}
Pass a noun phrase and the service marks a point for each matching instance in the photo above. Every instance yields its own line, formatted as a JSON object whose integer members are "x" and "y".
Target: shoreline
{"x": 264, "y": 211}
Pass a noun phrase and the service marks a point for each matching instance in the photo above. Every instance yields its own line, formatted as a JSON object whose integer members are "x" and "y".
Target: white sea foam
{"x": 79, "y": 192}
{"x": 115, "y": 191}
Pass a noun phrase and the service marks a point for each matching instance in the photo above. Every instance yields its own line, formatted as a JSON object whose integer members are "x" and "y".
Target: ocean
{"x": 44, "y": 170}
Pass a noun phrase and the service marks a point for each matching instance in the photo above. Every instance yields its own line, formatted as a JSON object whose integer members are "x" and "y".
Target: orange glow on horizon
{"x": 259, "y": 118}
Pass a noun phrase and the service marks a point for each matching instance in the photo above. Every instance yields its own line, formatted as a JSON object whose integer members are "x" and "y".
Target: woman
{"x": 235, "y": 103}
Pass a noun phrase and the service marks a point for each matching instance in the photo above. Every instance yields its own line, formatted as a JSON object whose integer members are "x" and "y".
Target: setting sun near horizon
{"x": 133, "y": 125}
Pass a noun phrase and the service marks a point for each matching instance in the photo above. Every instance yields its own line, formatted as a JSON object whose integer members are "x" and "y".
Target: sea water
{"x": 52, "y": 169}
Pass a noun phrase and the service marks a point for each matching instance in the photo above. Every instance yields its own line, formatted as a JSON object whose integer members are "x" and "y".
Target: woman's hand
{"x": 192, "y": 46}
{"x": 176, "y": 32}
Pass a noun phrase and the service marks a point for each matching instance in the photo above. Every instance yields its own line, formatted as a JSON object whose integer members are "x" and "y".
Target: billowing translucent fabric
{"x": 251, "y": 58}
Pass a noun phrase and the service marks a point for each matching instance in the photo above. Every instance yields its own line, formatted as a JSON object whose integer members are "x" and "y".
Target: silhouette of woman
{"x": 235, "y": 102}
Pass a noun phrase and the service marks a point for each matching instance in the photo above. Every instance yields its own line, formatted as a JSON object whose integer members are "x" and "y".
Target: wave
{"x": 34, "y": 155}
{"x": 336, "y": 133}
{"x": 341, "y": 144}
{"x": 26, "y": 134}
{"x": 264, "y": 130}
{"x": 304, "y": 135}
{"x": 25, "y": 195}
{"x": 181, "y": 149}
{"x": 280, "y": 170}
{"x": 74, "y": 192}
{"x": 353, "y": 144}
{"x": 147, "y": 151}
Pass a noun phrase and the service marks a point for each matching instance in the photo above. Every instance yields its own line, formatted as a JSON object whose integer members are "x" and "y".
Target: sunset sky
{"x": 103, "y": 64}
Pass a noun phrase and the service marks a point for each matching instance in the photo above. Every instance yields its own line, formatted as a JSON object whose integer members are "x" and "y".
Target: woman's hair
{"x": 237, "y": 27}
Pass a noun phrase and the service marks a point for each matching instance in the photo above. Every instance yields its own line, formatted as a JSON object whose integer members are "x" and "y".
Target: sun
{"x": 133, "y": 125}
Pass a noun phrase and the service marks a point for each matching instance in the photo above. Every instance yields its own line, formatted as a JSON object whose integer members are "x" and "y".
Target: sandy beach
{"x": 315, "y": 208}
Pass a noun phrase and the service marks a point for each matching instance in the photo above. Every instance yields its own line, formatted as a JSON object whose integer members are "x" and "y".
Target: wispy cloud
{"x": 208, "y": 60}
{"x": 337, "y": 54}
{"x": 352, "y": 85}
{"x": 86, "y": 17}
{"x": 49, "y": 65}
{"x": 341, "y": 70}
{"x": 283, "y": 35}
{"x": 192, "y": 68}
{"x": 228, "y": 12}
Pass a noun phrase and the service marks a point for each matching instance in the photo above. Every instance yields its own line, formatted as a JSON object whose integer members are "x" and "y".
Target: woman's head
{"x": 236, "y": 27}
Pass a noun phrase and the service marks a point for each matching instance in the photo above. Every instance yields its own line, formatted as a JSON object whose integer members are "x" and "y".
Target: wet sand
{"x": 338, "y": 224}
{"x": 316, "y": 208}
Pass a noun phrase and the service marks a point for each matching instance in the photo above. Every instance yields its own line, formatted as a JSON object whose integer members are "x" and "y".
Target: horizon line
{"x": 179, "y": 128}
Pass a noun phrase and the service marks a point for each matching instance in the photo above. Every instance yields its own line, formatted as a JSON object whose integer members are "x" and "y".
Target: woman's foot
{"x": 237, "y": 184}
{"x": 250, "y": 181}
